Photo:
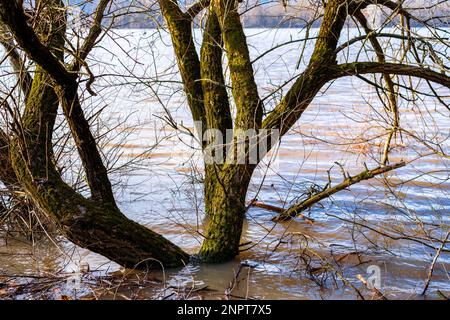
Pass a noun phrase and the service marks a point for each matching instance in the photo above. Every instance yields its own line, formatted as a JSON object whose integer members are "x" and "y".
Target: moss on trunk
{"x": 227, "y": 212}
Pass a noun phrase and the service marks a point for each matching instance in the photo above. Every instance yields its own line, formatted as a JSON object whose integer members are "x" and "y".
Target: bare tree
{"x": 226, "y": 184}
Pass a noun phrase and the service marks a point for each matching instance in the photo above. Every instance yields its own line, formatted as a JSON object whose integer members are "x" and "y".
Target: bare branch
{"x": 94, "y": 33}
{"x": 365, "y": 175}
{"x": 197, "y": 7}
{"x": 305, "y": 88}
{"x": 433, "y": 263}
{"x": 14, "y": 17}
{"x": 392, "y": 99}
{"x": 358, "y": 68}
{"x": 18, "y": 64}
{"x": 381, "y": 35}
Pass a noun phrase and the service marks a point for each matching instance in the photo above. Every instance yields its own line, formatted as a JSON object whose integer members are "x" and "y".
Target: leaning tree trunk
{"x": 91, "y": 224}
{"x": 226, "y": 209}
{"x": 95, "y": 224}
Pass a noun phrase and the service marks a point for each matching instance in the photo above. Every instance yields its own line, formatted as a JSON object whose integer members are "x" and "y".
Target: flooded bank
{"x": 388, "y": 227}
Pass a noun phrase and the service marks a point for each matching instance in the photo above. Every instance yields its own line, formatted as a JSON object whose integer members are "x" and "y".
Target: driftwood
{"x": 295, "y": 210}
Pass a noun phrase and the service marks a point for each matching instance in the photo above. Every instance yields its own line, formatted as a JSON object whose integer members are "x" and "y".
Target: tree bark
{"x": 227, "y": 213}
{"x": 179, "y": 25}
{"x": 249, "y": 108}
{"x": 216, "y": 100}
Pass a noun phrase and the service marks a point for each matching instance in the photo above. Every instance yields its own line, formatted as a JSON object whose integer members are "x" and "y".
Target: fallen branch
{"x": 296, "y": 210}
{"x": 255, "y": 203}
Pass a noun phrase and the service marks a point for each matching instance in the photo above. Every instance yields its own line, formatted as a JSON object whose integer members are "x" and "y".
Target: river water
{"x": 156, "y": 172}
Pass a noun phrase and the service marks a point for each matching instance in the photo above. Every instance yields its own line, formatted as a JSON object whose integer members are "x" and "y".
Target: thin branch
{"x": 392, "y": 99}
{"x": 196, "y": 8}
{"x": 380, "y": 35}
{"x": 18, "y": 64}
{"x": 92, "y": 36}
{"x": 14, "y": 17}
{"x": 308, "y": 84}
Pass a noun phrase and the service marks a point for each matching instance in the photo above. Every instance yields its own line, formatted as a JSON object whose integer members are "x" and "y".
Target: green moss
{"x": 245, "y": 92}
{"x": 226, "y": 207}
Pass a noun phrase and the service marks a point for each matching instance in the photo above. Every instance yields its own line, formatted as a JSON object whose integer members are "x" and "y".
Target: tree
{"x": 226, "y": 184}
{"x": 97, "y": 223}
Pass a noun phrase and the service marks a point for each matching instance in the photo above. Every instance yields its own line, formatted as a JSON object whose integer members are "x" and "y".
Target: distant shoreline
{"x": 443, "y": 26}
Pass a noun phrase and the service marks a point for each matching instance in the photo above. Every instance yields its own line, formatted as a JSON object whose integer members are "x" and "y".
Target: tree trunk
{"x": 226, "y": 209}
{"x": 94, "y": 224}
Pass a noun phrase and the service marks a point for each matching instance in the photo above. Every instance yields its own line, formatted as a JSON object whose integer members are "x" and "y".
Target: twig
{"x": 376, "y": 292}
{"x": 436, "y": 256}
